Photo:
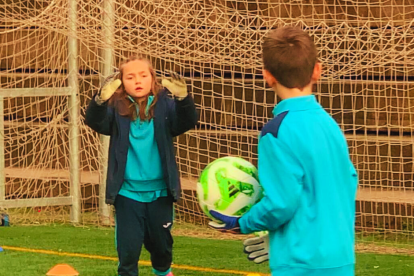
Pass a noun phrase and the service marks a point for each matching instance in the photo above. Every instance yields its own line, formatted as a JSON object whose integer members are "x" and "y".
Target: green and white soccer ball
{"x": 229, "y": 185}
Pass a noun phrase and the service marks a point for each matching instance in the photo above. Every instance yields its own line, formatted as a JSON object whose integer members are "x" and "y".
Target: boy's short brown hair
{"x": 290, "y": 55}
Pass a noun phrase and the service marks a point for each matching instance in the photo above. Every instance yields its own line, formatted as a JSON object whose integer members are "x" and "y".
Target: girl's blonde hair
{"x": 123, "y": 104}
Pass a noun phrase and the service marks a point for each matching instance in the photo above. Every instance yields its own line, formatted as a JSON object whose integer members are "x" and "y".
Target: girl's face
{"x": 136, "y": 78}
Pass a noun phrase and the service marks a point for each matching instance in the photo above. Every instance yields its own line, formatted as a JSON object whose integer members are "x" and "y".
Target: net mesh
{"x": 365, "y": 48}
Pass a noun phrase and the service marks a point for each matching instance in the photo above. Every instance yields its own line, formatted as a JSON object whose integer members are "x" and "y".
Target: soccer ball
{"x": 228, "y": 185}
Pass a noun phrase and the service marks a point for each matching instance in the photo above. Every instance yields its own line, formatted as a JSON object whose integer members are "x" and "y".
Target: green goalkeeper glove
{"x": 176, "y": 85}
{"x": 257, "y": 249}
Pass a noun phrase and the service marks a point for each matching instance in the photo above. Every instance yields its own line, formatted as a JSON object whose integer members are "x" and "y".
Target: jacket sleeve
{"x": 99, "y": 117}
{"x": 183, "y": 115}
{"x": 280, "y": 175}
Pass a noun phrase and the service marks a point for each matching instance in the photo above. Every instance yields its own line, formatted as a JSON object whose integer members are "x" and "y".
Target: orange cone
{"x": 62, "y": 270}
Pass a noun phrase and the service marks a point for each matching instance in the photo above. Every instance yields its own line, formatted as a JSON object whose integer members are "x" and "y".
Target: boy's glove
{"x": 257, "y": 249}
{"x": 176, "y": 85}
{"x": 109, "y": 87}
{"x": 230, "y": 224}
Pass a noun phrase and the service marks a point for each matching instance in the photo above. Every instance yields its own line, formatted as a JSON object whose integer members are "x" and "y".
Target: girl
{"x": 143, "y": 179}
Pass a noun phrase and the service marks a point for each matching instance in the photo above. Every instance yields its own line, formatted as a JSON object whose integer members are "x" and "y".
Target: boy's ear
{"x": 317, "y": 71}
{"x": 270, "y": 80}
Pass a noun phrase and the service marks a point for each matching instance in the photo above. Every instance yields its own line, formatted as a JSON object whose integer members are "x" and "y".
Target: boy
{"x": 304, "y": 167}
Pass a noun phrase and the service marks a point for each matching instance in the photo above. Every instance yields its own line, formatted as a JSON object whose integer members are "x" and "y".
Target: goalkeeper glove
{"x": 176, "y": 85}
{"x": 110, "y": 85}
{"x": 257, "y": 249}
{"x": 230, "y": 224}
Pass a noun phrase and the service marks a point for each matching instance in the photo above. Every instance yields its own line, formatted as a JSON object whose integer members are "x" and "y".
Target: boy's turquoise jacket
{"x": 310, "y": 188}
